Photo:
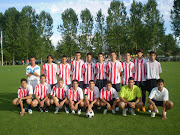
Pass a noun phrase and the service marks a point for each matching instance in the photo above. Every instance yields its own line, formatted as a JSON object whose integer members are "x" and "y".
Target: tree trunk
{"x": 41, "y": 60}
{"x": 13, "y": 61}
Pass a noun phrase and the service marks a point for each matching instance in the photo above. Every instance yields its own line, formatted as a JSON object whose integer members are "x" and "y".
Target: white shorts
{"x": 33, "y": 83}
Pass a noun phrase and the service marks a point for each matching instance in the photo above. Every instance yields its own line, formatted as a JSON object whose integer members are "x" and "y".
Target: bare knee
{"x": 122, "y": 105}
{"x": 29, "y": 101}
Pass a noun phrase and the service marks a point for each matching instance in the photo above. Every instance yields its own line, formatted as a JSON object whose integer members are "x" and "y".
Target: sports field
{"x": 11, "y": 123}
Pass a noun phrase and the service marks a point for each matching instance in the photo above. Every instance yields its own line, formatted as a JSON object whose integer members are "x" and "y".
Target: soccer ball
{"x": 90, "y": 114}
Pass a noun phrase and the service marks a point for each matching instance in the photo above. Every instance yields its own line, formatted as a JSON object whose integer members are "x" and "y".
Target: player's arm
{"x": 86, "y": 100}
{"x": 62, "y": 102}
{"x": 55, "y": 101}
{"x": 47, "y": 96}
{"x": 28, "y": 75}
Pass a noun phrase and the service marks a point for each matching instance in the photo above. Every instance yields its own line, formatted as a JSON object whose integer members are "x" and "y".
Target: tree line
{"x": 27, "y": 33}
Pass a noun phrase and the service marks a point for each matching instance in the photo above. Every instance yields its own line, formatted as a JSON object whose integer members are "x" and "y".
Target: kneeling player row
{"x": 129, "y": 97}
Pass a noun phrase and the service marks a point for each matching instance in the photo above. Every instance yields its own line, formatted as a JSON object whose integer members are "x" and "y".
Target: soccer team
{"x": 101, "y": 84}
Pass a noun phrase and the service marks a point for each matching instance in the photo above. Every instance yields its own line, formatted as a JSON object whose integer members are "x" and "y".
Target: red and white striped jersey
{"x": 127, "y": 71}
{"x": 108, "y": 95}
{"x": 50, "y": 72}
{"x": 75, "y": 95}
{"x": 88, "y": 72}
{"x": 42, "y": 90}
{"x": 64, "y": 72}
{"x": 24, "y": 92}
{"x": 114, "y": 69}
{"x": 76, "y": 70}
{"x": 91, "y": 94}
{"x": 139, "y": 69}
{"x": 100, "y": 69}
{"x": 60, "y": 93}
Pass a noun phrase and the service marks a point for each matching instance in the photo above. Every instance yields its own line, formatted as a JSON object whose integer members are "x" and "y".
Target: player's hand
{"x": 133, "y": 104}
{"x": 164, "y": 116}
{"x": 61, "y": 104}
{"x": 41, "y": 104}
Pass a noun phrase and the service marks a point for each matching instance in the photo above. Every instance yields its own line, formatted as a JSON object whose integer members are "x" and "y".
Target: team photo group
{"x": 107, "y": 85}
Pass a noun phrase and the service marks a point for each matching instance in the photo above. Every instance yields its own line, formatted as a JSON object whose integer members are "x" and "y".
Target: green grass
{"x": 48, "y": 123}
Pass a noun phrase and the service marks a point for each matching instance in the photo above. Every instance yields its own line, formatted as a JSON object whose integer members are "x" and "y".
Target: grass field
{"x": 11, "y": 123}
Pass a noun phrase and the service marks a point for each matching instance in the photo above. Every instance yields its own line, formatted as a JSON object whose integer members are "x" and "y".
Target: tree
{"x": 136, "y": 25}
{"x": 68, "y": 31}
{"x": 44, "y": 27}
{"x": 99, "y": 37}
{"x": 175, "y": 17}
{"x": 154, "y": 26}
{"x": 11, "y": 47}
{"x": 86, "y": 27}
{"x": 116, "y": 31}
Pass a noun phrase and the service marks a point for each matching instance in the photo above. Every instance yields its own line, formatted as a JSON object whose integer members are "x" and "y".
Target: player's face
{"x": 89, "y": 57}
{"x": 91, "y": 85}
{"x": 131, "y": 83}
{"x": 127, "y": 57}
{"x": 60, "y": 83}
{"x": 64, "y": 59}
{"x": 160, "y": 85}
{"x": 43, "y": 79}
{"x": 108, "y": 86}
{"x": 24, "y": 84}
{"x": 113, "y": 56}
{"x": 153, "y": 56}
{"x": 50, "y": 59}
{"x": 100, "y": 57}
{"x": 140, "y": 54}
{"x": 78, "y": 56}
{"x": 75, "y": 85}
{"x": 33, "y": 60}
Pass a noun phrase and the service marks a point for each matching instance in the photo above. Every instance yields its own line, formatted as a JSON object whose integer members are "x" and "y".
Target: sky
{"x": 56, "y": 7}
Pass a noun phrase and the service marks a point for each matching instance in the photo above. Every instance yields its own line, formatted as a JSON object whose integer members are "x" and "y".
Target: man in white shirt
{"x": 33, "y": 73}
{"x": 24, "y": 95}
{"x": 159, "y": 96}
{"x": 153, "y": 69}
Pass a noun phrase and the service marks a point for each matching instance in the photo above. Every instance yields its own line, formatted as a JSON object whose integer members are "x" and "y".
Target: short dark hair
{"x": 152, "y": 52}
{"x": 113, "y": 52}
{"x": 78, "y": 52}
{"x": 100, "y": 54}
{"x": 23, "y": 79}
{"x": 32, "y": 57}
{"x": 131, "y": 78}
{"x": 160, "y": 81}
{"x": 139, "y": 50}
{"x": 64, "y": 56}
{"x": 50, "y": 56}
{"x": 60, "y": 79}
{"x": 91, "y": 81}
{"x": 108, "y": 82}
{"x": 75, "y": 81}
{"x": 89, "y": 54}
{"x": 43, "y": 75}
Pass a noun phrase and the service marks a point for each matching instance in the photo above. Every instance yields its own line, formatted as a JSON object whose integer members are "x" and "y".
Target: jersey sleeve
{"x": 43, "y": 69}
{"x": 30, "y": 88}
{"x": 97, "y": 93}
{"x": 166, "y": 95}
{"x": 101, "y": 94}
{"x": 107, "y": 68}
{"x": 58, "y": 69}
{"x": 85, "y": 92}
{"x": 66, "y": 88}
{"x": 116, "y": 96}
{"x": 138, "y": 92}
{"x": 83, "y": 68}
{"x": 152, "y": 94}
{"x": 37, "y": 70}
{"x": 120, "y": 67}
{"x": 27, "y": 70}
{"x": 36, "y": 89}
{"x": 53, "y": 91}
{"x": 81, "y": 94}
{"x": 160, "y": 69}
{"x": 48, "y": 89}
{"x": 19, "y": 93}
